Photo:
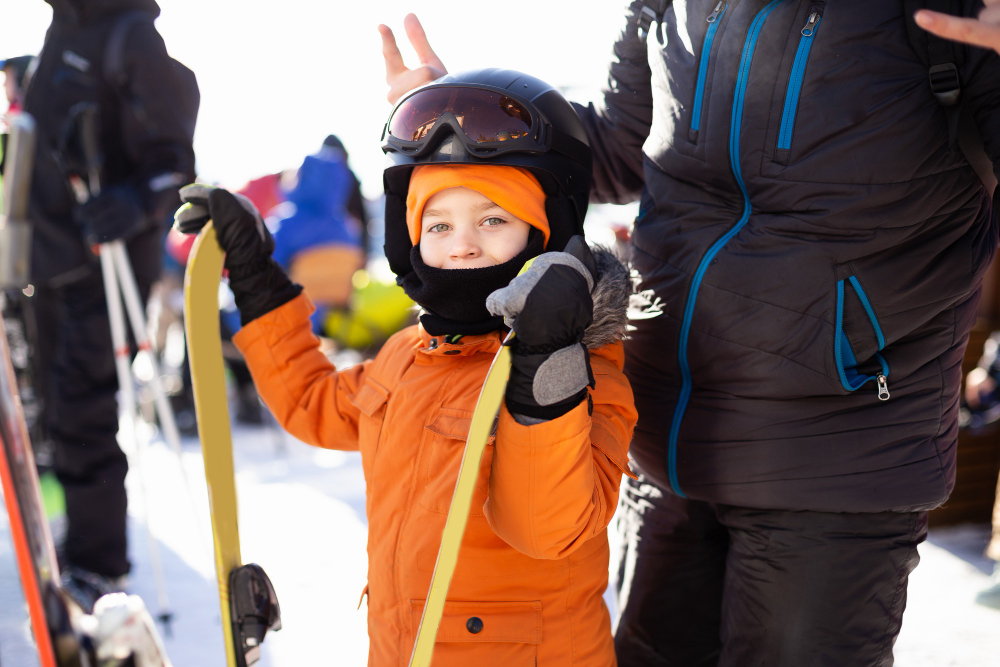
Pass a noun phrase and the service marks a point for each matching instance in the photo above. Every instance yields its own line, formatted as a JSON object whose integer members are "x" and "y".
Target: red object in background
{"x": 265, "y": 193}
{"x": 179, "y": 245}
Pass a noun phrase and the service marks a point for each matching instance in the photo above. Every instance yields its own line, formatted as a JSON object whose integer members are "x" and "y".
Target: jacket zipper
{"x": 795, "y": 86}
{"x": 845, "y": 360}
{"x": 734, "y": 160}
{"x": 706, "y": 51}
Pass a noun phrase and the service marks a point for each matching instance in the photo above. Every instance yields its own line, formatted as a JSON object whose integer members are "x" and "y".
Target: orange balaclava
{"x": 514, "y": 189}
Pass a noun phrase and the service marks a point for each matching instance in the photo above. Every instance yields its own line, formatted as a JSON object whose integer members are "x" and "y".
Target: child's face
{"x": 463, "y": 229}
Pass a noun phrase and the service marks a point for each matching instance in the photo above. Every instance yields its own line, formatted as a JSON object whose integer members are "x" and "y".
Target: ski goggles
{"x": 487, "y": 121}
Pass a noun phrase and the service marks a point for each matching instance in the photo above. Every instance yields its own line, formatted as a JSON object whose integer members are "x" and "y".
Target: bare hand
{"x": 402, "y": 79}
{"x": 984, "y": 31}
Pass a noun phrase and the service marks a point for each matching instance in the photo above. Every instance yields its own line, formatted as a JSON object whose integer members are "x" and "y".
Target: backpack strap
{"x": 942, "y": 57}
{"x": 114, "y": 47}
{"x": 652, "y": 12}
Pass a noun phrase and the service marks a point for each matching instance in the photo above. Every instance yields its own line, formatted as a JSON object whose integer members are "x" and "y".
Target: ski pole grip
{"x": 15, "y": 230}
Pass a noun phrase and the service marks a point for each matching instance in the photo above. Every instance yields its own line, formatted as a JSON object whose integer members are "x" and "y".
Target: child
{"x": 533, "y": 564}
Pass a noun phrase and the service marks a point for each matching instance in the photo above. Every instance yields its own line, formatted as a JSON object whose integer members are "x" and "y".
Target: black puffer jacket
{"x": 804, "y": 229}
{"x": 145, "y": 142}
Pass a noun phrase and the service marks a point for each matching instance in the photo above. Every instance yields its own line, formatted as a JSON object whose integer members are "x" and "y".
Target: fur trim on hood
{"x": 611, "y": 297}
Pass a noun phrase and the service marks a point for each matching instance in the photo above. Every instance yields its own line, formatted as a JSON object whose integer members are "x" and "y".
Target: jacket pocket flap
{"x": 452, "y": 423}
{"x": 513, "y": 622}
{"x": 371, "y": 397}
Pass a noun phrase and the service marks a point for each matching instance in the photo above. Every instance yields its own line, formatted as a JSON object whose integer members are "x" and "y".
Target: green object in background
{"x": 378, "y": 309}
{"x": 52, "y": 495}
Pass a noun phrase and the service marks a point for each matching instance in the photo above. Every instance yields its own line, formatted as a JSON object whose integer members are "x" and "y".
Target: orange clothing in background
{"x": 534, "y": 559}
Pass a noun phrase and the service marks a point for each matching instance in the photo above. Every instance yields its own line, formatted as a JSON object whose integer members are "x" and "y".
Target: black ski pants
{"x": 82, "y": 411}
{"x": 703, "y": 584}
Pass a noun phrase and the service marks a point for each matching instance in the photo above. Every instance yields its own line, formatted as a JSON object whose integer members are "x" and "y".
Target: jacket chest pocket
{"x": 794, "y": 89}
{"x": 682, "y": 54}
{"x": 441, "y": 451}
{"x": 485, "y": 633}
{"x": 371, "y": 401}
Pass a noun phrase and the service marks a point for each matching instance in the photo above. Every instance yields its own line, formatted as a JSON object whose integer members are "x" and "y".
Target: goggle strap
{"x": 568, "y": 145}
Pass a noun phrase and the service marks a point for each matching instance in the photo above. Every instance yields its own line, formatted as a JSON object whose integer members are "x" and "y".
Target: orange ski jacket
{"x": 533, "y": 564}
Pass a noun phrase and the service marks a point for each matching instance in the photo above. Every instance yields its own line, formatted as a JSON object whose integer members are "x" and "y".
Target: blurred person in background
{"x": 356, "y": 208}
{"x": 14, "y": 71}
{"x": 804, "y": 246}
{"x": 145, "y": 104}
{"x": 983, "y": 401}
{"x": 316, "y": 239}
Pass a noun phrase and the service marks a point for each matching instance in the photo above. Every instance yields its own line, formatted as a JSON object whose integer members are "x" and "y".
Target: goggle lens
{"x": 484, "y": 115}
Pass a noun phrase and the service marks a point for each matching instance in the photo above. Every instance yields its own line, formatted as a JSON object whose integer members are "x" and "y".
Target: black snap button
{"x": 474, "y": 625}
{"x": 433, "y": 344}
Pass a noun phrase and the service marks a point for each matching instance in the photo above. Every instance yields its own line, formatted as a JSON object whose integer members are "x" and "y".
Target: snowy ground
{"x": 302, "y": 518}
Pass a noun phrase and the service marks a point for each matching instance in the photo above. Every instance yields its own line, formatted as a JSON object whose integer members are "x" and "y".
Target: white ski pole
{"x": 88, "y": 126}
{"x": 137, "y": 318}
{"x": 123, "y": 367}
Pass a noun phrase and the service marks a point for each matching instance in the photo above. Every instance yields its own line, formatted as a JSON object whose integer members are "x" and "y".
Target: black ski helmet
{"x": 514, "y": 119}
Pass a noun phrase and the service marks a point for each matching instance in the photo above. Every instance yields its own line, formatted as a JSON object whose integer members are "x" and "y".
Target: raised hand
{"x": 402, "y": 79}
{"x": 984, "y": 31}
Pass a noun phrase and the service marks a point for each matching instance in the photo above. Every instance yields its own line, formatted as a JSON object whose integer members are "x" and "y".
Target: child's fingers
{"x": 418, "y": 38}
{"x": 409, "y": 80}
{"x": 971, "y": 31}
{"x": 390, "y": 53}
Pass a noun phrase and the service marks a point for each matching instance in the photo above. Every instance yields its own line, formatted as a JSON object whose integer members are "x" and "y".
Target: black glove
{"x": 258, "y": 283}
{"x": 114, "y": 214}
{"x": 549, "y": 307}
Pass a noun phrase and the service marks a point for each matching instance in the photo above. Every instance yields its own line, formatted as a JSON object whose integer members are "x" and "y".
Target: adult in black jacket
{"x": 145, "y": 140}
{"x": 811, "y": 247}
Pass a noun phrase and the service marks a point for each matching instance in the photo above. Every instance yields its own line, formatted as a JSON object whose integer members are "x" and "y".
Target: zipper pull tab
{"x": 810, "y": 25}
{"x": 715, "y": 12}
{"x": 883, "y": 387}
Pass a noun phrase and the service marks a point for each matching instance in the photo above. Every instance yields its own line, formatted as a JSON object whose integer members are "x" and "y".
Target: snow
{"x": 302, "y": 519}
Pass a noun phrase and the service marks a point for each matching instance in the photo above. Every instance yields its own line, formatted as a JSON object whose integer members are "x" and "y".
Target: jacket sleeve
{"x": 619, "y": 124}
{"x": 554, "y": 485}
{"x": 156, "y": 121}
{"x": 301, "y": 387}
{"x": 981, "y": 83}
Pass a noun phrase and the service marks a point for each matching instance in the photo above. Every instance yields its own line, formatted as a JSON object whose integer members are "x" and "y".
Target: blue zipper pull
{"x": 719, "y": 8}
{"x": 883, "y": 387}
{"x": 807, "y": 31}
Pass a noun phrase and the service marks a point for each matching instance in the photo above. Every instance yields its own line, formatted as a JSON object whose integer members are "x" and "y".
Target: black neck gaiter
{"x": 454, "y": 300}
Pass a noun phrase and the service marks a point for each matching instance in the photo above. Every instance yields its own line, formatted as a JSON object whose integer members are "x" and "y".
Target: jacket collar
{"x": 457, "y": 346}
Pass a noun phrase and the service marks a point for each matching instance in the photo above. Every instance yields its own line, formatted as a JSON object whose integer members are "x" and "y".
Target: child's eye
{"x": 440, "y": 227}
{"x": 493, "y": 222}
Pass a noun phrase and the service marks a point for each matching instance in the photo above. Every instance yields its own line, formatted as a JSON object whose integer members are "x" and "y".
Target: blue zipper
{"x": 868, "y": 309}
{"x": 734, "y": 161}
{"x": 846, "y": 362}
{"x": 706, "y": 50}
{"x": 795, "y": 80}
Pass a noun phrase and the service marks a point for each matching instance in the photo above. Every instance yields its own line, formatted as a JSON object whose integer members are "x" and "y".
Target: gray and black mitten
{"x": 258, "y": 283}
{"x": 549, "y": 307}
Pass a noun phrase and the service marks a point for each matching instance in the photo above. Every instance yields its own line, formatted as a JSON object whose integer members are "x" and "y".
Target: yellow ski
{"x": 240, "y": 586}
{"x": 204, "y": 344}
{"x": 487, "y": 408}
